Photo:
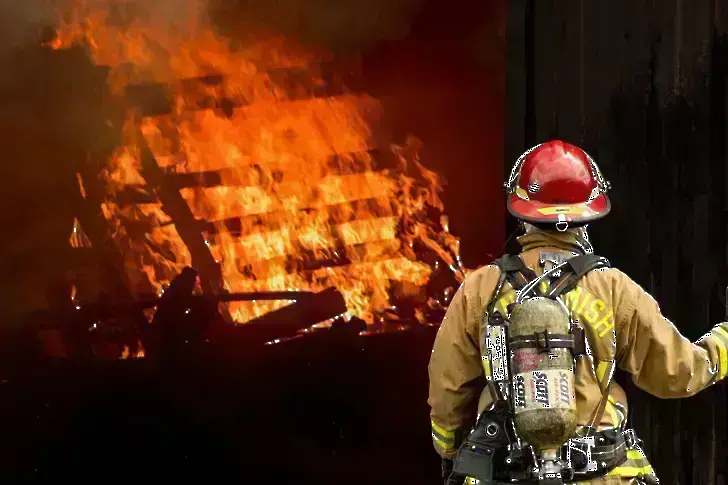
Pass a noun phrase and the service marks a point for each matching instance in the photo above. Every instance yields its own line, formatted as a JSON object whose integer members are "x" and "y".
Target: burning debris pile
{"x": 254, "y": 163}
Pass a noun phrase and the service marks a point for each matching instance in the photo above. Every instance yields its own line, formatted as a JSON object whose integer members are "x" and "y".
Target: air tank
{"x": 543, "y": 380}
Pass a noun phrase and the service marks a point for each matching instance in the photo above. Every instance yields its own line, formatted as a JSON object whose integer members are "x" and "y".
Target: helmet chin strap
{"x": 563, "y": 224}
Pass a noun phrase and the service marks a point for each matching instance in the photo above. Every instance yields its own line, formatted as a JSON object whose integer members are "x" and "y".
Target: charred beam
{"x": 135, "y": 196}
{"x": 176, "y": 207}
{"x": 321, "y": 306}
{"x": 91, "y": 312}
{"x": 196, "y": 179}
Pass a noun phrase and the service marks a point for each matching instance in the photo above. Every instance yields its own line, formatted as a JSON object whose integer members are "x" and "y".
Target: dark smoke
{"x": 22, "y": 22}
{"x": 346, "y": 27}
{"x": 342, "y": 26}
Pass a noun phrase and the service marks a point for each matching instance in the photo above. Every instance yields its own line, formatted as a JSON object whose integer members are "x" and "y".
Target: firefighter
{"x": 555, "y": 189}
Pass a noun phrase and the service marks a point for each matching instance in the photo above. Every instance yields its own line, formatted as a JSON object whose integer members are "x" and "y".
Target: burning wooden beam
{"x": 393, "y": 269}
{"x": 381, "y": 160}
{"x": 275, "y": 220}
{"x": 213, "y": 203}
{"x": 190, "y": 133}
{"x": 295, "y": 259}
{"x": 271, "y": 244}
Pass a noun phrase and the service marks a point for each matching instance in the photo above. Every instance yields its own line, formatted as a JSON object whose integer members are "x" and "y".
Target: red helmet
{"x": 557, "y": 183}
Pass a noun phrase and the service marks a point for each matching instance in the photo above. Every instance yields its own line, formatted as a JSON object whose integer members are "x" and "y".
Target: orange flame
{"x": 297, "y": 201}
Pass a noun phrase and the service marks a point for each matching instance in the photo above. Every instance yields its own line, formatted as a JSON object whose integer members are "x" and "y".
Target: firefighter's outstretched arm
{"x": 662, "y": 361}
{"x": 456, "y": 376}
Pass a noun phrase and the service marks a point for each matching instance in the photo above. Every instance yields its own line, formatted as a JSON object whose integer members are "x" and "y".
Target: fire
{"x": 284, "y": 183}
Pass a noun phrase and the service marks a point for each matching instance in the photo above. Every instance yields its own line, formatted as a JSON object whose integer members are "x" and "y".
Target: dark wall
{"x": 642, "y": 87}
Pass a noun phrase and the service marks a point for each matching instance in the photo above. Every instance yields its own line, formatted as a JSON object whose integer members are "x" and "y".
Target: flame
{"x": 78, "y": 238}
{"x": 127, "y": 353}
{"x": 297, "y": 200}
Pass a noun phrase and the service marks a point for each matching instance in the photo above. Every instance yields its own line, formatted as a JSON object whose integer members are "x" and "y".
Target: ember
{"x": 258, "y": 167}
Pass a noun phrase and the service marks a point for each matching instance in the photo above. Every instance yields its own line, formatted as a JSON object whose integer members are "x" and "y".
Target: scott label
{"x": 564, "y": 389}
{"x": 519, "y": 392}
{"x": 543, "y": 389}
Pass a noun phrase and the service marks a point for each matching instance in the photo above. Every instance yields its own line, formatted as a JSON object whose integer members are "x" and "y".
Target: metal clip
{"x": 563, "y": 224}
{"x": 631, "y": 439}
{"x": 543, "y": 342}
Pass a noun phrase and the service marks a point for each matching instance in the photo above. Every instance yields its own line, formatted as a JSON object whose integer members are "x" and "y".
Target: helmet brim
{"x": 537, "y": 212}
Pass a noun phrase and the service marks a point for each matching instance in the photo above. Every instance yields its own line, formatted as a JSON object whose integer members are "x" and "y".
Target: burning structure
{"x": 256, "y": 162}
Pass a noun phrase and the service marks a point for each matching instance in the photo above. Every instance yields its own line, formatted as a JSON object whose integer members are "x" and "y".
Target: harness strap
{"x": 543, "y": 341}
{"x": 580, "y": 266}
{"x": 517, "y": 273}
{"x": 496, "y": 294}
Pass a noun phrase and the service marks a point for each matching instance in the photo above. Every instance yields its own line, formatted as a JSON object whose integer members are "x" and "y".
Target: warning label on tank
{"x": 539, "y": 389}
{"x": 527, "y": 360}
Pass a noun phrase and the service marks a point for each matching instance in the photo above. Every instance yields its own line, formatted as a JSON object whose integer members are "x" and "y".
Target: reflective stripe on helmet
{"x": 563, "y": 209}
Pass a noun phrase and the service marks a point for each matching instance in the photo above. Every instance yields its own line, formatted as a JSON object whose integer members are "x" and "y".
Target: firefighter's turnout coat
{"x": 624, "y": 327}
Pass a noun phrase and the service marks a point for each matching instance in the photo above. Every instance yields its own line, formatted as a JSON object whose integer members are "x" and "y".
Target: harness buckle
{"x": 542, "y": 341}
{"x": 631, "y": 439}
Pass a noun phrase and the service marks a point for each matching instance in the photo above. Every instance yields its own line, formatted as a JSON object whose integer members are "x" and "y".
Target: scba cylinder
{"x": 543, "y": 380}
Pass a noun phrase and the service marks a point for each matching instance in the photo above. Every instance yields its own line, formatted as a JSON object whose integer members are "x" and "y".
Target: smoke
{"x": 349, "y": 26}
{"x": 345, "y": 27}
{"x": 21, "y": 22}
{"x": 24, "y": 22}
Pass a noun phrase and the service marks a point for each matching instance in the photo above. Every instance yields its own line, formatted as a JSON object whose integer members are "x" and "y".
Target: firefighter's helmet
{"x": 556, "y": 183}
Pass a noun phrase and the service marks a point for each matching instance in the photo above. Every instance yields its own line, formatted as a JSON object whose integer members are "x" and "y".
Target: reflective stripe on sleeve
{"x": 636, "y": 465}
{"x": 720, "y": 336}
{"x": 445, "y": 434}
{"x": 444, "y": 439}
{"x": 632, "y": 471}
{"x": 635, "y": 455}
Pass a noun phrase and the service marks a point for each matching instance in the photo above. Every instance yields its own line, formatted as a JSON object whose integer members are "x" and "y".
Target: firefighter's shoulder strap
{"x": 579, "y": 266}
{"x": 518, "y": 274}
{"x": 515, "y": 271}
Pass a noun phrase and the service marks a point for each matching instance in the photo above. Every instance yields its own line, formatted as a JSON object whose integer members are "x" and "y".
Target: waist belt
{"x": 597, "y": 455}
{"x": 488, "y": 454}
